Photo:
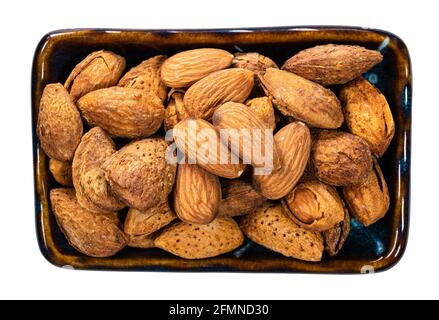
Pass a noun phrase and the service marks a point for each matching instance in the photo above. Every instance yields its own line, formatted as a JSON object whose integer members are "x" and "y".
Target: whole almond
{"x": 185, "y": 68}
{"x": 369, "y": 201}
{"x": 142, "y": 241}
{"x": 200, "y": 143}
{"x": 253, "y": 61}
{"x": 302, "y": 99}
{"x": 146, "y": 76}
{"x": 340, "y": 158}
{"x": 92, "y": 190}
{"x": 245, "y": 128}
{"x": 148, "y": 221}
{"x": 337, "y": 235}
{"x": 59, "y": 125}
{"x": 314, "y": 205}
{"x": 193, "y": 241}
{"x": 61, "y": 171}
{"x": 96, "y": 235}
{"x": 140, "y": 174}
{"x": 197, "y": 194}
{"x": 332, "y": 64}
{"x": 203, "y": 97}
{"x": 175, "y": 111}
{"x": 293, "y": 143}
{"x": 367, "y": 114}
{"x": 123, "y": 112}
{"x": 239, "y": 198}
{"x": 270, "y": 227}
{"x": 263, "y": 108}
{"x": 100, "y": 69}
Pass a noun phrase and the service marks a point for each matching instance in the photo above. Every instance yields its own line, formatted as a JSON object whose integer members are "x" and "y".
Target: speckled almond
{"x": 96, "y": 235}
{"x": 192, "y": 241}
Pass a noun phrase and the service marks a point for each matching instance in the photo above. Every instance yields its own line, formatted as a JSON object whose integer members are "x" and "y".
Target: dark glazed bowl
{"x": 376, "y": 248}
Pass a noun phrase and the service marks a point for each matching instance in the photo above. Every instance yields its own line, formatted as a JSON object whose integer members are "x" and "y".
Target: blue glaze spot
{"x": 372, "y": 77}
{"x": 379, "y": 247}
{"x": 403, "y": 165}
{"x": 406, "y": 99}
{"x": 240, "y": 251}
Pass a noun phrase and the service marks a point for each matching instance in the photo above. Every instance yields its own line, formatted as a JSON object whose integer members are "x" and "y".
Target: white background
{"x": 25, "y": 274}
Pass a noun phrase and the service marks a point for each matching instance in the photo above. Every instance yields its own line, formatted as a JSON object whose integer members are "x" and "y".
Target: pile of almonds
{"x": 330, "y": 127}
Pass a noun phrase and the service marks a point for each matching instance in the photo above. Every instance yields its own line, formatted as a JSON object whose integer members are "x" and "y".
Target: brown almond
{"x": 197, "y": 194}
{"x": 337, "y": 235}
{"x": 185, "y": 68}
{"x": 175, "y": 111}
{"x": 340, "y": 158}
{"x": 141, "y": 242}
{"x": 239, "y": 198}
{"x": 123, "y": 112}
{"x": 203, "y": 97}
{"x": 253, "y": 61}
{"x": 263, "y": 108}
{"x": 369, "y": 201}
{"x": 61, "y": 171}
{"x": 199, "y": 141}
{"x": 247, "y": 135}
{"x": 100, "y": 69}
{"x": 193, "y": 241}
{"x": 332, "y": 64}
{"x": 302, "y": 99}
{"x": 146, "y": 76}
{"x": 293, "y": 143}
{"x": 96, "y": 235}
{"x": 140, "y": 173}
{"x": 367, "y": 114}
{"x": 59, "y": 125}
{"x": 270, "y": 227}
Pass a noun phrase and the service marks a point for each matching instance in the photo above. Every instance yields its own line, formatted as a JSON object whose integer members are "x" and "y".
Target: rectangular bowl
{"x": 372, "y": 249}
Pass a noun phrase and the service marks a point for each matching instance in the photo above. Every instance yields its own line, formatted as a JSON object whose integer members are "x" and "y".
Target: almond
{"x": 239, "y": 198}
{"x": 293, "y": 143}
{"x": 203, "y": 97}
{"x": 175, "y": 111}
{"x": 270, "y": 227}
{"x": 302, "y": 99}
{"x": 96, "y": 235}
{"x": 140, "y": 174}
{"x": 332, "y": 64}
{"x": 369, "y": 201}
{"x": 367, "y": 114}
{"x": 193, "y": 241}
{"x": 123, "y": 112}
{"x": 146, "y": 76}
{"x": 263, "y": 108}
{"x": 314, "y": 205}
{"x": 59, "y": 125}
{"x": 243, "y": 127}
{"x": 92, "y": 190}
{"x": 337, "y": 235}
{"x": 148, "y": 221}
{"x": 141, "y": 242}
{"x": 200, "y": 143}
{"x": 187, "y": 67}
{"x": 61, "y": 171}
{"x": 100, "y": 69}
{"x": 340, "y": 158}
{"x": 197, "y": 194}
{"x": 253, "y": 61}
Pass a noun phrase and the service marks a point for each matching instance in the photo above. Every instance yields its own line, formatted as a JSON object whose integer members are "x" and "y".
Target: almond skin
{"x": 203, "y": 97}
{"x": 239, "y": 198}
{"x": 253, "y": 61}
{"x": 293, "y": 143}
{"x": 141, "y": 242}
{"x": 185, "y": 68}
{"x": 192, "y": 241}
{"x": 263, "y": 108}
{"x": 92, "y": 190}
{"x": 340, "y": 158}
{"x": 146, "y": 76}
{"x": 61, "y": 171}
{"x": 140, "y": 174}
{"x": 332, "y": 64}
{"x": 123, "y": 112}
{"x": 175, "y": 111}
{"x": 337, "y": 235}
{"x": 270, "y": 227}
{"x": 96, "y": 235}
{"x": 200, "y": 143}
{"x": 197, "y": 194}
{"x": 100, "y": 69}
{"x": 369, "y": 201}
{"x": 232, "y": 118}
{"x": 367, "y": 114}
{"x": 302, "y": 99}
{"x": 314, "y": 205}
{"x": 146, "y": 222}
{"x": 59, "y": 125}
